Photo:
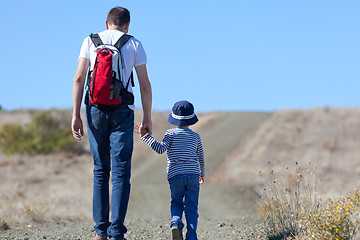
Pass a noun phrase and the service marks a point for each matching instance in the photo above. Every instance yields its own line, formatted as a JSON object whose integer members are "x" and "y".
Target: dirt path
{"x": 150, "y": 191}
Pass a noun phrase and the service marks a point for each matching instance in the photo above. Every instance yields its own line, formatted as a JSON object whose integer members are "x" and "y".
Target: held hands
{"x": 201, "y": 180}
{"x": 144, "y": 129}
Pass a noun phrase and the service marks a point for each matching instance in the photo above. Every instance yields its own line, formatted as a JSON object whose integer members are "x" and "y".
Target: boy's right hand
{"x": 201, "y": 180}
{"x": 137, "y": 128}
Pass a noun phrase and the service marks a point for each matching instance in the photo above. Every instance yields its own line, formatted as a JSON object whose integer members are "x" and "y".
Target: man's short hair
{"x": 118, "y": 16}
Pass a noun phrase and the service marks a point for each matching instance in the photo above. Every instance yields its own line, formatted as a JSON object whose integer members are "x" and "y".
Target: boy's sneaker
{"x": 100, "y": 237}
{"x": 176, "y": 232}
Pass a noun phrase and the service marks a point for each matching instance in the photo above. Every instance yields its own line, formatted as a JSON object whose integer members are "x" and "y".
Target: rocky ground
{"x": 139, "y": 229}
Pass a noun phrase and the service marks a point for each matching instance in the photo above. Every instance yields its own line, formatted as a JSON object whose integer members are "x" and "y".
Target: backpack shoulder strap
{"x": 122, "y": 41}
{"x": 119, "y": 44}
{"x": 95, "y": 38}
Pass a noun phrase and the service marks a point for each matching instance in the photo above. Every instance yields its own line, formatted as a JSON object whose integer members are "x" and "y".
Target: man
{"x": 110, "y": 129}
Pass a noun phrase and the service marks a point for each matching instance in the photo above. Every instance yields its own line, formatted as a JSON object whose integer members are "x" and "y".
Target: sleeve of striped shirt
{"x": 159, "y": 147}
{"x": 200, "y": 153}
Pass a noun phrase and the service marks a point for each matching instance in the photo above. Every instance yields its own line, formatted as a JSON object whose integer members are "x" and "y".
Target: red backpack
{"x": 105, "y": 86}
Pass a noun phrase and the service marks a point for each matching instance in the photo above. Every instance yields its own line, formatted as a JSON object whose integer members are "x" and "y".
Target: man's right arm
{"x": 146, "y": 99}
{"x": 78, "y": 89}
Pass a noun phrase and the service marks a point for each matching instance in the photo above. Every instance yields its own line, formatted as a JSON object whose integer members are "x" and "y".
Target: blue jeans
{"x": 111, "y": 136}
{"x": 185, "y": 197}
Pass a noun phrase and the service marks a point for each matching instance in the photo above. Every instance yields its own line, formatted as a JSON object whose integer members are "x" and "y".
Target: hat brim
{"x": 183, "y": 122}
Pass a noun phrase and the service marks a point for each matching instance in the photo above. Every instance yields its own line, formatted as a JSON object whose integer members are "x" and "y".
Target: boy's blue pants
{"x": 184, "y": 198}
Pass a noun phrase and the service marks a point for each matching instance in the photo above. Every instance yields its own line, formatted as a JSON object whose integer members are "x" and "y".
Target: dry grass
{"x": 295, "y": 216}
{"x": 286, "y": 199}
{"x": 294, "y": 209}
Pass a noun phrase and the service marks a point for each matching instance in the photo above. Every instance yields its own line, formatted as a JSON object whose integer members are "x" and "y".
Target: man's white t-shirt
{"x": 132, "y": 52}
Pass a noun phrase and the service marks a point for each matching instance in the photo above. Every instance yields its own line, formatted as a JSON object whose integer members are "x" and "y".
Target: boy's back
{"x": 184, "y": 151}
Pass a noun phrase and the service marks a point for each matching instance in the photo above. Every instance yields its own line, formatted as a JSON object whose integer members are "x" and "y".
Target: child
{"x": 185, "y": 168}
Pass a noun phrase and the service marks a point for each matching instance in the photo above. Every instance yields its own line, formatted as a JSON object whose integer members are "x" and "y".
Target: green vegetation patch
{"x": 49, "y": 131}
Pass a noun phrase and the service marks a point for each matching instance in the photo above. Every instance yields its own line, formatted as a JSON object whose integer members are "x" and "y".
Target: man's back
{"x": 132, "y": 52}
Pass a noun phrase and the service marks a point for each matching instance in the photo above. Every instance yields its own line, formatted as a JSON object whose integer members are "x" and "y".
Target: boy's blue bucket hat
{"x": 183, "y": 114}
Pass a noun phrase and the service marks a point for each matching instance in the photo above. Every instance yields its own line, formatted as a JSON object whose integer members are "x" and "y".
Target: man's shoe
{"x": 100, "y": 237}
{"x": 176, "y": 232}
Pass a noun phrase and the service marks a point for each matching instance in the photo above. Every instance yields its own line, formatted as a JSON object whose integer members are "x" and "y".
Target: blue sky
{"x": 229, "y": 55}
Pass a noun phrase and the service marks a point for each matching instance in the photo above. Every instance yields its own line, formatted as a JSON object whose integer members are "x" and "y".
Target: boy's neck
{"x": 183, "y": 127}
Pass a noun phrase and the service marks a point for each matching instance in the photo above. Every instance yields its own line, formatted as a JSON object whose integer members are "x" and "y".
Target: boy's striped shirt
{"x": 185, "y": 153}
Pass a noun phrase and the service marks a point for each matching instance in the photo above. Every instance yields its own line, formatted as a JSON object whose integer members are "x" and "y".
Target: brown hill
{"x": 324, "y": 142}
{"x": 57, "y": 187}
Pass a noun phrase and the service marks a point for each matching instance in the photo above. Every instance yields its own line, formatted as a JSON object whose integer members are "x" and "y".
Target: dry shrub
{"x": 36, "y": 213}
{"x": 285, "y": 201}
{"x": 293, "y": 209}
